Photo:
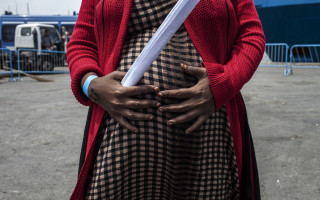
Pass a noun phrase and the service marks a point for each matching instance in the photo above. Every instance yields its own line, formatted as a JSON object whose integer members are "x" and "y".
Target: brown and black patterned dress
{"x": 162, "y": 162}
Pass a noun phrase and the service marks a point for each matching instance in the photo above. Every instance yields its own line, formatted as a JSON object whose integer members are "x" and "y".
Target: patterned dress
{"x": 162, "y": 162}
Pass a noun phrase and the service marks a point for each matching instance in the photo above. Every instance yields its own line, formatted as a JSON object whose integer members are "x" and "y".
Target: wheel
{"x": 4, "y": 62}
{"x": 46, "y": 65}
{"x": 25, "y": 64}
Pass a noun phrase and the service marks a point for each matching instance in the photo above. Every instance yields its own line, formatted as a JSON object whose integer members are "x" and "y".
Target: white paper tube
{"x": 155, "y": 45}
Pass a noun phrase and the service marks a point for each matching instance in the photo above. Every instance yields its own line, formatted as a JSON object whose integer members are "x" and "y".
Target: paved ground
{"x": 42, "y": 126}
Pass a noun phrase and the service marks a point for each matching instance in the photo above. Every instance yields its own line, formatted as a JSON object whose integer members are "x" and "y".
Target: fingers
{"x": 123, "y": 122}
{"x": 182, "y": 107}
{"x": 183, "y": 118}
{"x": 178, "y": 93}
{"x": 196, "y": 124}
{"x": 137, "y": 90}
{"x": 137, "y": 104}
{"x": 117, "y": 75}
{"x": 122, "y": 117}
{"x": 129, "y": 114}
{"x": 198, "y": 72}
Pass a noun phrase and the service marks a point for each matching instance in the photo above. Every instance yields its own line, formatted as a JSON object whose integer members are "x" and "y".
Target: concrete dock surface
{"x": 41, "y": 129}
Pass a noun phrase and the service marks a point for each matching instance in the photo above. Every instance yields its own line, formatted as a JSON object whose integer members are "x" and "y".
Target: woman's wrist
{"x": 86, "y": 80}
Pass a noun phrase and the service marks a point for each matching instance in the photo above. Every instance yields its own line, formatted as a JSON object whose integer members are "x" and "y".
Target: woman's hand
{"x": 119, "y": 101}
{"x": 199, "y": 104}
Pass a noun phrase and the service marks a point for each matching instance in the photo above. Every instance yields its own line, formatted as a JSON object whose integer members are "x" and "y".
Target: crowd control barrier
{"x": 304, "y": 56}
{"x": 47, "y": 61}
{"x": 41, "y": 61}
{"x": 276, "y": 55}
{"x": 6, "y": 63}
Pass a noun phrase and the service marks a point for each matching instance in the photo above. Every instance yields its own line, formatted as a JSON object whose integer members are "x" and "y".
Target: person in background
{"x": 182, "y": 131}
{"x": 47, "y": 41}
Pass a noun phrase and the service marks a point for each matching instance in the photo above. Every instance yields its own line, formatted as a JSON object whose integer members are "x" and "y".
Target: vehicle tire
{"x": 1, "y": 62}
{"x": 4, "y": 62}
{"x": 46, "y": 65}
{"x": 24, "y": 64}
{"x": 14, "y": 63}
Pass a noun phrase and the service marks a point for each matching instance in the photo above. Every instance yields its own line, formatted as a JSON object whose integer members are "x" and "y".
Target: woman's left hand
{"x": 199, "y": 104}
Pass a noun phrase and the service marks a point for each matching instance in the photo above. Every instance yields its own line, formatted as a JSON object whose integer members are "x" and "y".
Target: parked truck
{"x": 29, "y": 49}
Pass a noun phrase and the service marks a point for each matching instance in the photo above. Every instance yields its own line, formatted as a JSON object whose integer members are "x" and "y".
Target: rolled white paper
{"x": 155, "y": 45}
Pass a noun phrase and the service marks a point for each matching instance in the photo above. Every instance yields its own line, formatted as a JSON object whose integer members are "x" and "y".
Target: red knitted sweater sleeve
{"x": 82, "y": 54}
{"x": 227, "y": 80}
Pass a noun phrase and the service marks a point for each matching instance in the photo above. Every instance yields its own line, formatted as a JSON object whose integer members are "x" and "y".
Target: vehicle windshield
{"x": 53, "y": 33}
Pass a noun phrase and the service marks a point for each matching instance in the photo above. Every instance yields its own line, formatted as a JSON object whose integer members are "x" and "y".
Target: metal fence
{"x": 304, "y": 56}
{"x": 46, "y": 61}
{"x": 42, "y": 61}
{"x": 276, "y": 55}
{"x": 32, "y": 61}
{"x": 6, "y": 63}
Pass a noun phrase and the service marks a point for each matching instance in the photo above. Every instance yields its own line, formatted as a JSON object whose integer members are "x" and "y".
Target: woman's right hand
{"x": 119, "y": 101}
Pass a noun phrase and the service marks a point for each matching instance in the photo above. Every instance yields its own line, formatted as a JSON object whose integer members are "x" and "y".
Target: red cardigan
{"x": 227, "y": 33}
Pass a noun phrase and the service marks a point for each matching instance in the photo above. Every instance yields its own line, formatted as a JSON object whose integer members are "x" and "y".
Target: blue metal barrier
{"x": 276, "y": 55}
{"x": 42, "y": 61}
{"x": 304, "y": 56}
{"x": 6, "y": 63}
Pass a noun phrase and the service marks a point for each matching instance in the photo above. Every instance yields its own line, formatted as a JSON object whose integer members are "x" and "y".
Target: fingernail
{"x": 151, "y": 117}
{"x": 169, "y": 123}
{"x": 158, "y": 104}
{"x": 156, "y": 89}
{"x": 187, "y": 132}
{"x": 136, "y": 131}
{"x": 183, "y": 65}
{"x": 160, "y": 94}
{"x": 161, "y": 109}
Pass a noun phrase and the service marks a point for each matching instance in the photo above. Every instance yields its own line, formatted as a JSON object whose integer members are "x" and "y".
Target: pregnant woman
{"x": 182, "y": 131}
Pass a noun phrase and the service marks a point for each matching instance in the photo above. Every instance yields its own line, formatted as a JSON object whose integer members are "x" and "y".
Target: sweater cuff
{"x": 220, "y": 83}
{"x": 76, "y": 77}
